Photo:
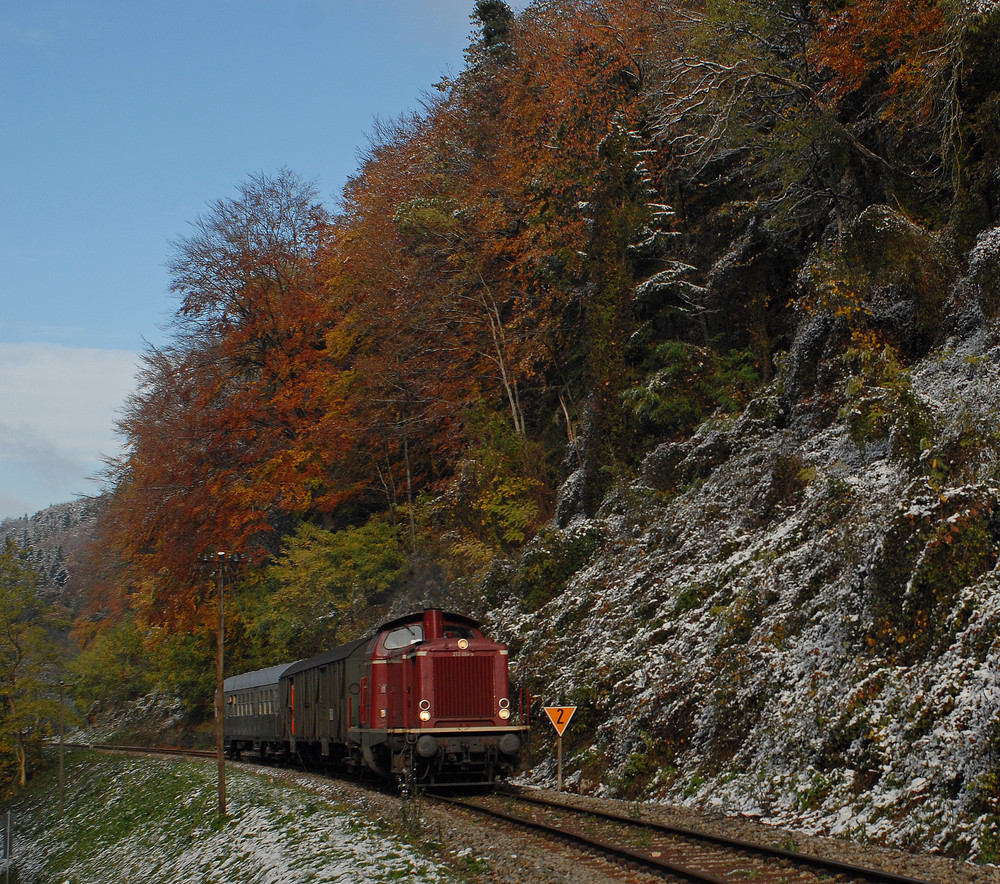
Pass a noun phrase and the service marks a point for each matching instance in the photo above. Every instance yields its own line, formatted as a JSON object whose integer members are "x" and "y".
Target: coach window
{"x": 404, "y": 636}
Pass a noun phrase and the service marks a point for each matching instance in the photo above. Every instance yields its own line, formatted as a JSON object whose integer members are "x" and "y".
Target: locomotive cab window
{"x": 404, "y": 636}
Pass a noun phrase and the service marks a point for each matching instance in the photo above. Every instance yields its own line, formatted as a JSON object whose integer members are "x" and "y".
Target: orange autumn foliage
{"x": 323, "y": 366}
{"x": 893, "y": 46}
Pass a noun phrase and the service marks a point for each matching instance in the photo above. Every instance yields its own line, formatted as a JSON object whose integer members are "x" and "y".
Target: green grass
{"x": 155, "y": 821}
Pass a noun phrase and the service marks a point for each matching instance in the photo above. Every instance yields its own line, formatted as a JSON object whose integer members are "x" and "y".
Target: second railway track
{"x": 676, "y": 853}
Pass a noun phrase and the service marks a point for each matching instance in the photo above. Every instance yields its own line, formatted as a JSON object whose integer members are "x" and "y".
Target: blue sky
{"x": 120, "y": 121}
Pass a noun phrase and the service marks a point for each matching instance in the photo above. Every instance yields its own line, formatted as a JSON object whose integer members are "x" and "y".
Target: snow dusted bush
{"x": 984, "y": 270}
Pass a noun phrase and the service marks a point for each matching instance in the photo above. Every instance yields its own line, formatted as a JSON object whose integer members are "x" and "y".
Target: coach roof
{"x": 259, "y": 678}
{"x": 326, "y": 657}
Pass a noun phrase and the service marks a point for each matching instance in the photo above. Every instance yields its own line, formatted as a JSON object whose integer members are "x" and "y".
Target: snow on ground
{"x": 154, "y": 821}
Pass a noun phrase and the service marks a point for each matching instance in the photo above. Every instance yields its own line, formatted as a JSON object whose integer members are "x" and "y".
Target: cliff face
{"x": 794, "y": 614}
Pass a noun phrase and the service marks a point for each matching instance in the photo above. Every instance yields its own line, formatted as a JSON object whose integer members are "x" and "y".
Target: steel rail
{"x": 832, "y": 865}
{"x": 589, "y": 841}
{"x": 147, "y": 750}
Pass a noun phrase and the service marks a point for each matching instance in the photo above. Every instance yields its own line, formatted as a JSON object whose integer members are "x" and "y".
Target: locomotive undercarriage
{"x": 441, "y": 759}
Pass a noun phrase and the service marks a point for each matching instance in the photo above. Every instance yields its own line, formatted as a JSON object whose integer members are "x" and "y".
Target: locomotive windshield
{"x": 404, "y": 636}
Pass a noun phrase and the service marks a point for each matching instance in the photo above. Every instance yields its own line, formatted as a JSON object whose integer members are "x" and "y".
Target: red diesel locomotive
{"x": 424, "y": 696}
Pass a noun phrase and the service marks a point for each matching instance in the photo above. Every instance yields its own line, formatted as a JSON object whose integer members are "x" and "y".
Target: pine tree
{"x": 494, "y": 17}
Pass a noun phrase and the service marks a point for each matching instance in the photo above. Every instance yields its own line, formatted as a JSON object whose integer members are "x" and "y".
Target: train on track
{"x": 425, "y": 697}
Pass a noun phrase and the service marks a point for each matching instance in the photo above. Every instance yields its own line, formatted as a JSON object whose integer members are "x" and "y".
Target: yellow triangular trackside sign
{"x": 559, "y": 716}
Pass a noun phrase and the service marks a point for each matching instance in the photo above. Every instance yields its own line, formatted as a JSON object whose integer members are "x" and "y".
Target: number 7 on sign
{"x": 559, "y": 716}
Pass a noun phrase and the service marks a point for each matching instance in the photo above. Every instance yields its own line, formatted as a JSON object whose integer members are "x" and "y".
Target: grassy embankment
{"x": 155, "y": 821}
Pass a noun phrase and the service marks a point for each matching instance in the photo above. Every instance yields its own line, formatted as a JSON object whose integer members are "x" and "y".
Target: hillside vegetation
{"x": 58, "y": 544}
{"x": 665, "y": 339}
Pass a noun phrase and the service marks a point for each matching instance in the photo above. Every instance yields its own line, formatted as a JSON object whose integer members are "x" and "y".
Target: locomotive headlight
{"x": 425, "y": 710}
{"x": 505, "y": 713}
{"x": 425, "y": 716}
{"x": 463, "y": 643}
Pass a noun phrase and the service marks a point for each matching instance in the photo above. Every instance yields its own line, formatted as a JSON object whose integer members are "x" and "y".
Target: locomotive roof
{"x": 343, "y": 651}
{"x": 259, "y": 678}
{"x": 418, "y": 615}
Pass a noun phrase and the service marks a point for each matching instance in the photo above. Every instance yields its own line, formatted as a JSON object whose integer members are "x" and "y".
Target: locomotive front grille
{"x": 463, "y": 687}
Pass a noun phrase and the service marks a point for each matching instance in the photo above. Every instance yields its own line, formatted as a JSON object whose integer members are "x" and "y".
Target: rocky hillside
{"x": 794, "y": 614}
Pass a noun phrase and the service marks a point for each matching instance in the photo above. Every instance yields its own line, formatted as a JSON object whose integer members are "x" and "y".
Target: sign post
{"x": 559, "y": 716}
{"x": 8, "y": 848}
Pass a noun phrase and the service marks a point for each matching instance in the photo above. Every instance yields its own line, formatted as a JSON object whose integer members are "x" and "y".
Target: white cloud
{"x": 57, "y": 411}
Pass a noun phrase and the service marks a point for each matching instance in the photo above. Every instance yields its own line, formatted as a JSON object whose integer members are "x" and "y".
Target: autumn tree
{"x": 114, "y": 665}
{"x": 237, "y": 424}
{"x": 325, "y": 587}
{"x": 521, "y": 134}
{"x": 28, "y": 656}
{"x": 912, "y": 72}
{"x": 485, "y": 196}
{"x": 410, "y": 363}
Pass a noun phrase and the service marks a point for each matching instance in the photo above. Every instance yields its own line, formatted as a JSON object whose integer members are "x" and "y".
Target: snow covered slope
{"x": 794, "y": 614}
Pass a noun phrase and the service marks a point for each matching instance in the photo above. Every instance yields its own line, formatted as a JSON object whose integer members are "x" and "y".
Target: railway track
{"x": 676, "y": 853}
{"x": 146, "y": 750}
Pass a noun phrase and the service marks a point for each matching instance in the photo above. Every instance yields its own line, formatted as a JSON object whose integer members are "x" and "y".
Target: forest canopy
{"x": 605, "y": 229}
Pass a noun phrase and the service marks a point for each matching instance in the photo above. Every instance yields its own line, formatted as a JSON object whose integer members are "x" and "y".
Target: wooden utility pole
{"x": 220, "y": 699}
{"x": 62, "y": 731}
